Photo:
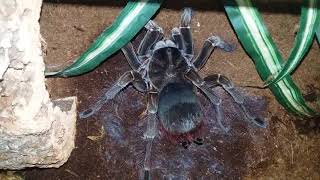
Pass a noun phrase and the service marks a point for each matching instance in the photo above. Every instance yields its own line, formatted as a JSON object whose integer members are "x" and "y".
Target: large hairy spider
{"x": 167, "y": 71}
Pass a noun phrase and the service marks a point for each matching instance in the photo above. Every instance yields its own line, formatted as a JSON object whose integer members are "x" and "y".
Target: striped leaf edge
{"x": 130, "y": 21}
{"x": 309, "y": 20}
{"x": 257, "y": 42}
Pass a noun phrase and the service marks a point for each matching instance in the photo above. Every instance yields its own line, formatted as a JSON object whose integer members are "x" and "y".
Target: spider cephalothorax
{"x": 167, "y": 71}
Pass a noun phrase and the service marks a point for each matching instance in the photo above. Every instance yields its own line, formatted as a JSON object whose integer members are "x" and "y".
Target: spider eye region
{"x": 179, "y": 110}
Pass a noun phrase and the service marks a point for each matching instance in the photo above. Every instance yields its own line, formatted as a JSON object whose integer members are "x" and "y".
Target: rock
{"x": 34, "y": 131}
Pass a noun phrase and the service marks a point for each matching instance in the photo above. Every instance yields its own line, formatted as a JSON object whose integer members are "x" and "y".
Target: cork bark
{"x": 34, "y": 131}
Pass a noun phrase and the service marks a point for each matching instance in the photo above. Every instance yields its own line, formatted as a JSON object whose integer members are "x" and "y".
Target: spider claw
{"x": 146, "y": 175}
{"x": 175, "y": 31}
{"x": 257, "y": 121}
{"x": 227, "y": 47}
{"x": 153, "y": 26}
{"x": 221, "y": 44}
{"x": 260, "y": 122}
{"x": 186, "y": 17}
{"x": 86, "y": 113}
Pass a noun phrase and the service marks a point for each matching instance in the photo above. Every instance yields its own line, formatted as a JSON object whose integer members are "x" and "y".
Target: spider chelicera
{"x": 167, "y": 71}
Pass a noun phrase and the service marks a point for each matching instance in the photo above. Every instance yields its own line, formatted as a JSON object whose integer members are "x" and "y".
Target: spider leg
{"x": 139, "y": 83}
{"x": 214, "y": 99}
{"x": 151, "y": 131}
{"x": 209, "y": 45}
{"x": 122, "y": 82}
{"x": 186, "y": 31}
{"x": 153, "y": 35}
{"x": 131, "y": 56}
{"x": 178, "y": 39}
{"x": 220, "y": 80}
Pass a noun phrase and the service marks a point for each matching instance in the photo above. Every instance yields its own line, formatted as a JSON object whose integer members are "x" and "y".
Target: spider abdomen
{"x": 178, "y": 109}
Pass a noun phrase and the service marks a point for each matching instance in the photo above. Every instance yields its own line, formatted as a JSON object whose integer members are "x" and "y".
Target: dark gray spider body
{"x": 178, "y": 107}
{"x": 167, "y": 71}
{"x": 179, "y": 111}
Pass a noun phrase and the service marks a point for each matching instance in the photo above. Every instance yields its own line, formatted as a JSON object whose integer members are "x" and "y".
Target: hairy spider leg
{"x": 193, "y": 76}
{"x": 127, "y": 78}
{"x": 139, "y": 83}
{"x": 178, "y": 39}
{"x": 151, "y": 131}
{"x": 186, "y": 32}
{"x": 209, "y": 45}
{"x": 227, "y": 85}
{"x": 131, "y": 56}
{"x": 153, "y": 35}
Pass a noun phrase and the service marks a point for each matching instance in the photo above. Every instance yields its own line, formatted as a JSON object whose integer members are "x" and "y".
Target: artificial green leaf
{"x": 318, "y": 29}
{"x": 309, "y": 21}
{"x": 257, "y": 41}
{"x": 130, "y": 21}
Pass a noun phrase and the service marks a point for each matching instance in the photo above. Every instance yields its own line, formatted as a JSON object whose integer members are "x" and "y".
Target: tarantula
{"x": 167, "y": 71}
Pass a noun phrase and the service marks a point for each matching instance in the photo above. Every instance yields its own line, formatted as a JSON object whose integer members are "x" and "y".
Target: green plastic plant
{"x": 318, "y": 32}
{"x": 309, "y": 21}
{"x": 256, "y": 40}
{"x": 130, "y": 21}
{"x": 250, "y": 30}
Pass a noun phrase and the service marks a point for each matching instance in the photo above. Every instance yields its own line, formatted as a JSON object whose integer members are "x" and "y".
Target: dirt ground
{"x": 287, "y": 149}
